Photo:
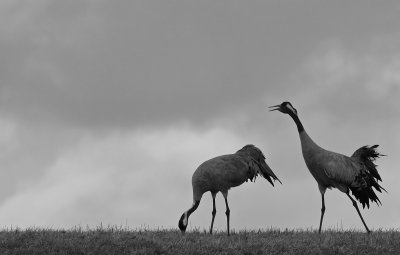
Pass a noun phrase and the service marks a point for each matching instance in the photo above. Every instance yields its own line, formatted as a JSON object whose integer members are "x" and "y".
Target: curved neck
{"x": 193, "y": 208}
{"x": 296, "y": 119}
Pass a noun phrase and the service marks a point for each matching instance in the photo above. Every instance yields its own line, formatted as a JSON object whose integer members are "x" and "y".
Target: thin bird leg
{"x": 355, "y": 205}
{"x": 214, "y": 211}
{"x": 228, "y": 211}
{"x": 322, "y": 190}
{"x": 322, "y": 211}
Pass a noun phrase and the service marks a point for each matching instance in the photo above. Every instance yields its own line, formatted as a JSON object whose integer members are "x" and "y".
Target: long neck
{"x": 296, "y": 119}
{"x": 193, "y": 208}
{"x": 306, "y": 142}
{"x": 183, "y": 221}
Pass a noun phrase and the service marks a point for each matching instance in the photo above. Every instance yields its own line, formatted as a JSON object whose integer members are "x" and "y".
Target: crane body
{"x": 221, "y": 173}
{"x": 356, "y": 173}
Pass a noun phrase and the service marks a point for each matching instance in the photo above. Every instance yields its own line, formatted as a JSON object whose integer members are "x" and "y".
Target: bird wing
{"x": 256, "y": 162}
{"x": 261, "y": 167}
{"x": 339, "y": 169}
{"x": 352, "y": 173}
{"x": 220, "y": 173}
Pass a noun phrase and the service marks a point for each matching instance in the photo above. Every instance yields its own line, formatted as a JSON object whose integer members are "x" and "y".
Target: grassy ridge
{"x": 120, "y": 241}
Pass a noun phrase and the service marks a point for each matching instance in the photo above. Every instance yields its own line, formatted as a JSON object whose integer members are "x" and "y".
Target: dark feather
{"x": 368, "y": 177}
{"x": 368, "y": 155}
{"x": 257, "y": 163}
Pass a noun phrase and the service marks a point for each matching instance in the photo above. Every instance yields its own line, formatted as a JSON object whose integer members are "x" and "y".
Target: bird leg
{"x": 322, "y": 211}
{"x": 214, "y": 211}
{"x": 228, "y": 211}
{"x": 355, "y": 205}
{"x": 322, "y": 190}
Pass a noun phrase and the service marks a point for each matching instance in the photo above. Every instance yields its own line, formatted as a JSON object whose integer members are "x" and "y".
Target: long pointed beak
{"x": 277, "y": 107}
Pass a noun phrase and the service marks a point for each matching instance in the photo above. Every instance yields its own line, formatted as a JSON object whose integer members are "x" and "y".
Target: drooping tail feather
{"x": 368, "y": 176}
{"x": 267, "y": 172}
{"x": 368, "y": 155}
{"x": 257, "y": 163}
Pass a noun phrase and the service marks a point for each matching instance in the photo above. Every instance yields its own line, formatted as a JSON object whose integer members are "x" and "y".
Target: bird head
{"x": 285, "y": 107}
{"x": 183, "y": 222}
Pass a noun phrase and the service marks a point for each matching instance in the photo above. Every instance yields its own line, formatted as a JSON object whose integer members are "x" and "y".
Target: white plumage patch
{"x": 290, "y": 107}
{"x": 185, "y": 219}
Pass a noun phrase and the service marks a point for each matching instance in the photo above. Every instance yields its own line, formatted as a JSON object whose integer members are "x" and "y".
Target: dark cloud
{"x": 132, "y": 63}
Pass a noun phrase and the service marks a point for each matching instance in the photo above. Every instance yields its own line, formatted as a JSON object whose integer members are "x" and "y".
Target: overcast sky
{"x": 108, "y": 107}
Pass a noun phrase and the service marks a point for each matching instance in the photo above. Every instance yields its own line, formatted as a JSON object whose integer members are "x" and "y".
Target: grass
{"x": 144, "y": 241}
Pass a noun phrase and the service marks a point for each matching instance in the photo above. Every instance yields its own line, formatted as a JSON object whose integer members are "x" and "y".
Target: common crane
{"x": 357, "y": 173}
{"x": 223, "y": 172}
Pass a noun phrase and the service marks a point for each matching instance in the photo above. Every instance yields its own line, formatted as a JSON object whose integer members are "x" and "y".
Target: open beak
{"x": 275, "y": 108}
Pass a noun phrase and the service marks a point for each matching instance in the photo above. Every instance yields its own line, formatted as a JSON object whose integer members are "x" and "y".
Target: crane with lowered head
{"x": 221, "y": 173}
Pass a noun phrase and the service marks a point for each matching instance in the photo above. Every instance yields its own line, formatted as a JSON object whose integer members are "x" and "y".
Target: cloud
{"x": 117, "y": 178}
{"x": 7, "y": 135}
{"x": 354, "y": 86}
{"x": 89, "y": 67}
{"x": 100, "y": 64}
